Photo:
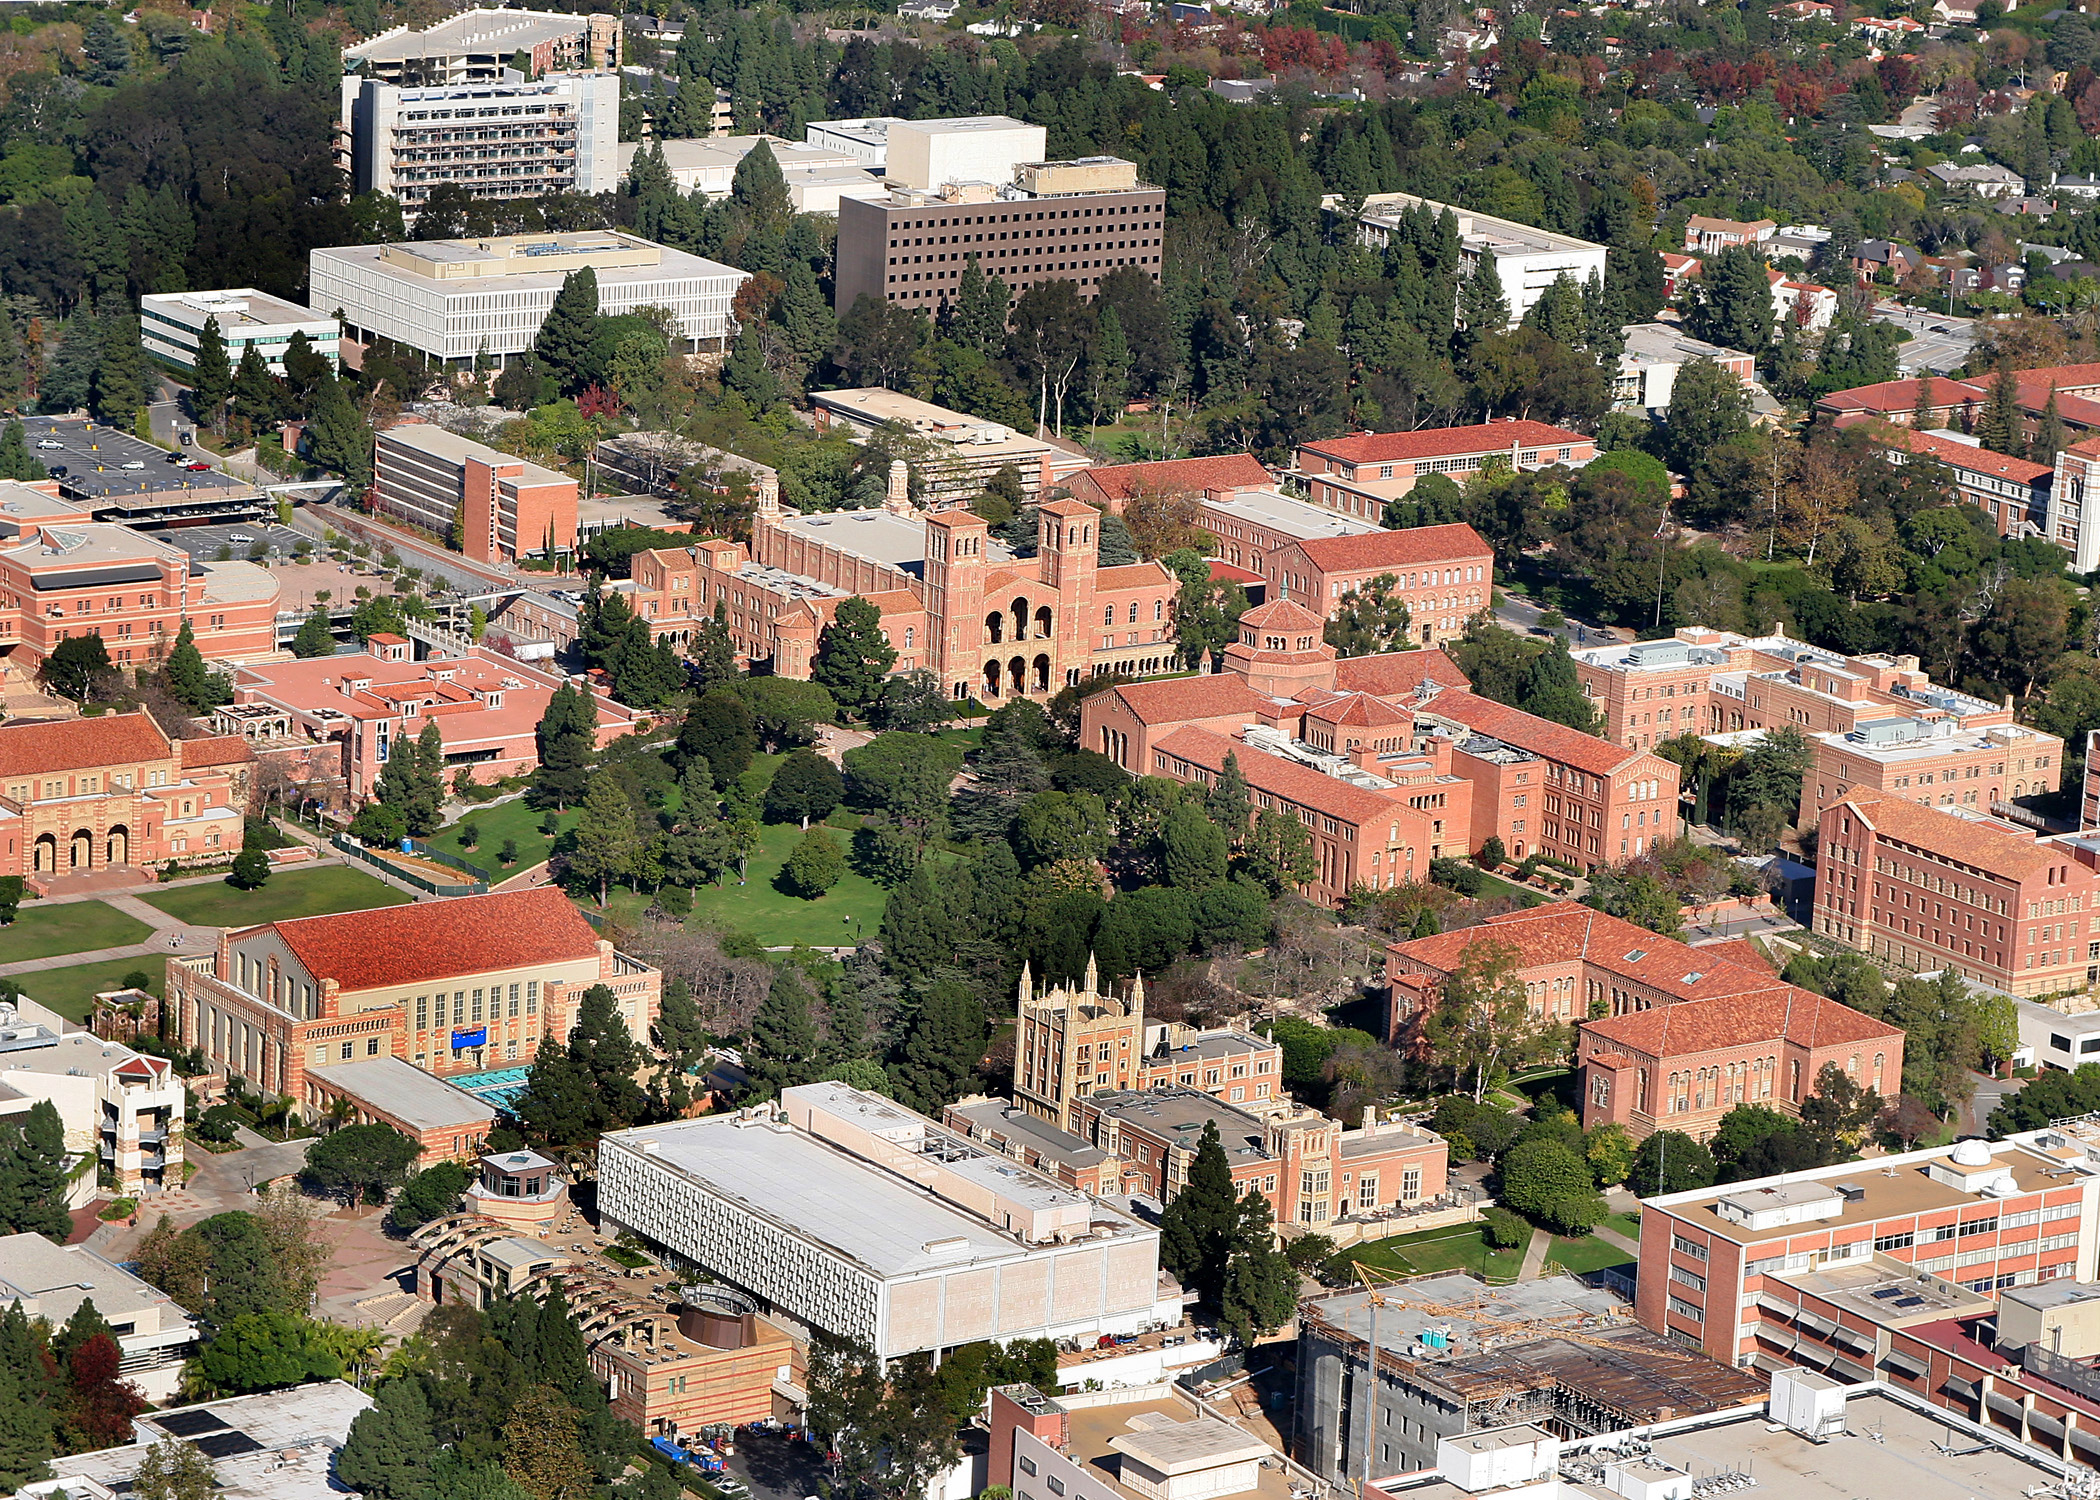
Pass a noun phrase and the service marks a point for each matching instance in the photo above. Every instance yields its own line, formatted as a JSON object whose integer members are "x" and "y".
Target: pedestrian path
{"x": 1535, "y": 1255}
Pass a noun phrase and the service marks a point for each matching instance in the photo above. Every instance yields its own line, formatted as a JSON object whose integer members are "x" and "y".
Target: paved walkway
{"x": 221, "y": 1183}
{"x": 1535, "y": 1255}
{"x": 169, "y": 934}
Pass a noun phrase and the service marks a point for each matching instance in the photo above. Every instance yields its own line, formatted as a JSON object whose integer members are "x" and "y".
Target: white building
{"x": 453, "y": 298}
{"x": 817, "y": 176}
{"x": 858, "y": 1217}
{"x": 512, "y": 139}
{"x": 1527, "y": 259}
{"x": 51, "y": 1281}
{"x": 866, "y": 141}
{"x": 122, "y": 1107}
{"x": 171, "y": 325}
{"x": 988, "y": 149}
{"x": 1655, "y": 352}
{"x": 480, "y": 46}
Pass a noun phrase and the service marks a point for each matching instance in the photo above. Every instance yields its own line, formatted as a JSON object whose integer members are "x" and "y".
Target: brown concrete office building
{"x": 1058, "y": 221}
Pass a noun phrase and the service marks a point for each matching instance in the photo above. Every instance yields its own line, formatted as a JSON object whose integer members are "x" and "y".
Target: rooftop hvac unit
{"x": 1810, "y": 1404}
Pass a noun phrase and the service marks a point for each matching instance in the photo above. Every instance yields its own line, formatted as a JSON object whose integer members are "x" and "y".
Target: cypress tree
{"x": 185, "y": 675}
{"x": 784, "y": 1049}
{"x": 1482, "y": 307}
{"x": 428, "y": 795}
{"x": 805, "y": 316}
{"x": 2049, "y": 436}
{"x": 390, "y": 1448}
{"x": 711, "y": 660}
{"x": 918, "y": 932}
{"x": 1228, "y": 802}
{"x": 16, "y": 461}
{"x": 564, "y": 738}
{"x": 1197, "y": 1230}
{"x": 944, "y": 1047}
{"x": 257, "y": 397}
{"x": 211, "y": 379}
{"x": 852, "y": 658}
{"x": 120, "y": 375}
{"x": 607, "y": 843}
{"x": 564, "y": 343}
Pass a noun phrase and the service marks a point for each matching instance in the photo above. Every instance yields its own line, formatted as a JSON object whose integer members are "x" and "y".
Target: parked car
{"x": 47, "y": 443}
{"x": 136, "y": 463}
{"x": 197, "y": 468}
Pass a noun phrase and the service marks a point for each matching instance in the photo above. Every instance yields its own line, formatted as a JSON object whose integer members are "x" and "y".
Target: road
{"x": 1938, "y": 342}
{"x": 1522, "y": 615}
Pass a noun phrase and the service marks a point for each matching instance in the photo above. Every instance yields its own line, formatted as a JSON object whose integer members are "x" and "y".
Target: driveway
{"x": 777, "y": 1468}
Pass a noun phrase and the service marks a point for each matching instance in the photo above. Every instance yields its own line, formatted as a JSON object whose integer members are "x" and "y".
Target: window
{"x": 1979, "y": 1226}
{"x": 1686, "y": 1247}
{"x": 1025, "y": 1465}
{"x": 1367, "y": 1190}
{"x": 1893, "y": 1241}
{"x": 349, "y": 1049}
{"x": 1411, "y": 1185}
{"x": 1691, "y": 1279}
{"x": 1684, "y": 1309}
{"x": 1057, "y": 1486}
{"x": 372, "y": 1046}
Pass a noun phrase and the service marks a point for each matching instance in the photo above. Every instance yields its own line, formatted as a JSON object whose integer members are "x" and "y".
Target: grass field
{"x": 840, "y": 917}
{"x": 71, "y": 992}
{"x": 1586, "y": 1254}
{"x": 74, "y": 927}
{"x": 507, "y": 820}
{"x": 291, "y": 893}
{"x": 1462, "y": 1247}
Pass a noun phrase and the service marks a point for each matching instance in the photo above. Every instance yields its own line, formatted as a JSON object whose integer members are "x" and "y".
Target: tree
{"x": 1709, "y": 407}
{"x": 816, "y": 864}
{"x": 1840, "y": 1110}
{"x": 1552, "y": 690}
{"x": 433, "y": 1193}
{"x": 1731, "y": 301}
{"x": 1493, "y": 854}
{"x": 607, "y": 844}
{"x": 1278, "y": 854}
{"x": 378, "y": 826}
{"x": 918, "y": 932}
{"x": 1641, "y": 899}
{"x": 211, "y": 376}
{"x": 1481, "y": 1015}
{"x": 852, "y": 656}
{"x": 942, "y": 1050}
{"x": 1669, "y": 1161}
{"x": 1610, "y": 1152}
{"x": 1261, "y": 1288}
{"x": 563, "y": 345}
{"x": 120, "y": 375}
{"x": 1196, "y": 1231}
{"x": 173, "y": 1470}
{"x": 805, "y": 788}
{"x": 1228, "y": 801}
{"x": 16, "y": 461}
{"x": 1550, "y": 1184}
{"x": 360, "y": 1161}
{"x": 2001, "y": 426}
{"x": 337, "y": 436}
{"x": 1482, "y": 307}
{"x": 784, "y": 1050}
{"x": 77, "y": 666}
{"x": 265, "y": 1351}
{"x": 1769, "y": 775}
{"x": 1369, "y": 619}
{"x": 1193, "y": 851}
{"x": 33, "y": 1173}
{"x": 564, "y": 739}
{"x": 316, "y": 635}
{"x": 541, "y": 1453}
{"x": 250, "y": 872}
{"x": 891, "y": 1440}
{"x": 720, "y": 729}
{"x": 390, "y": 1448}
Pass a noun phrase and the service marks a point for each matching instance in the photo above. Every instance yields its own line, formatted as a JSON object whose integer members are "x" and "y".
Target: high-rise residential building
{"x": 482, "y": 45}
{"x": 171, "y": 325}
{"x": 512, "y": 138}
{"x": 456, "y": 299}
{"x": 977, "y": 188}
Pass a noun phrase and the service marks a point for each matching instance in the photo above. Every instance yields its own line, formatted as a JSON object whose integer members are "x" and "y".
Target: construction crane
{"x": 1380, "y": 1286}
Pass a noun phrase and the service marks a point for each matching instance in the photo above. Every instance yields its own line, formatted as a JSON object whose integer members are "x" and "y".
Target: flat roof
{"x": 1295, "y": 518}
{"x": 1209, "y": 1044}
{"x": 1663, "y": 343}
{"x": 1476, "y": 230}
{"x": 397, "y": 1087}
{"x": 1010, "y": 1119}
{"x": 1555, "y": 1303}
{"x": 1179, "y": 1114}
{"x": 877, "y": 406}
{"x": 1188, "y": 1447}
{"x": 279, "y": 1445}
{"x": 439, "y": 442}
{"x": 522, "y": 274}
{"x": 852, "y": 1207}
{"x": 77, "y": 1052}
{"x": 1885, "y": 1291}
{"x": 1096, "y": 1439}
{"x": 237, "y": 309}
{"x": 480, "y": 30}
{"x": 53, "y": 1280}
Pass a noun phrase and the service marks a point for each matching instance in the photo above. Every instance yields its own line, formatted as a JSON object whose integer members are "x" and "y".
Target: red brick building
{"x": 2011, "y": 491}
{"x": 1444, "y": 574}
{"x": 1112, "y": 487}
{"x": 1357, "y": 474}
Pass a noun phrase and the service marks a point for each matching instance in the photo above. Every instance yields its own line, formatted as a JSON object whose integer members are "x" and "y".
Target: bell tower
{"x": 955, "y": 564}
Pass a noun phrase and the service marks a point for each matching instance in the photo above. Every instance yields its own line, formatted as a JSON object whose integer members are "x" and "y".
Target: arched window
{"x": 910, "y": 635}
{"x": 1133, "y": 611}
{"x": 1108, "y": 614}
{"x": 1159, "y": 609}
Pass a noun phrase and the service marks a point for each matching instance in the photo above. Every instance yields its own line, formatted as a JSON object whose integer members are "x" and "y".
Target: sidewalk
{"x": 1535, "y": 1255}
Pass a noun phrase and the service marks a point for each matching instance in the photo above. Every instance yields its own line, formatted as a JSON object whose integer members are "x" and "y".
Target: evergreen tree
{"x": 1732, "y": 301}
{"x": 390, "y": 1448}
{"x": 977, "y": 317}
{"x": 304, "y": 369}
{"x": 563, "y": 347}
{"x": 805, "y": 317}
{"x": 1192, "y": 849}
{"x": 2049, "y": 436}
{"x": 1921, "y": 407}
{"x": 760, "y": 191}
{"x": 395, "y": 786}
{"x": 2000, "y": 427}
{"x": 1197, "y": 1230}
{"x": 70, "y": 377}
{"x": 1108, "y": 365}
{"x": 719, "y": 729}
{"x": 33, "y": 1173}
{"x": 564, "y": 738}
{"x": 995, "y": 900}
{"x": 186, "y": 677}
{"x": 814, "y": 866}
{"x": 337, "y": 436}
{"x": 607, "y": 843}
{"x": 711, "y": 659}
{"x": 943, "y": 1050}
{"x": 541, "y": 1453}
{"x": 77, "y": 666}
{"x": 120, "y": 375}
{"x": 1228, "y": 802}
{"x": 918, "y": 930}
{"x": 1553, "y": 691}
{"x": 558, "y": 1106}
{"x": 678, "y": 1033}
{"x": 784, "y": 1048}
{"x": 316, "y": 635}
{"x": 852, "y": 657}
{"x": 16, "y": 461}
{"x": 211, "y": 380}
{"x": 427, "y": 795}
{"x": 258, "y": 400}
{"x": 85, "y": 1323}
{"x": 1482, "y": 307}
{"x": 25, "y": 1433}
{"x": 602, "y": 1047}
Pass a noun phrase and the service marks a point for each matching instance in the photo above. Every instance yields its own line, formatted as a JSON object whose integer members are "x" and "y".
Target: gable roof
{"x": 75, "y": 744}
{"x": 1996, "y": 848}
{"x": 1393, "y": 674}
{"x": 1976, "y": 460}
{"x": 393, "y": 945}
{"x": 218, "y": 750}
{"x": 1902, "y": 395}
{"x": 1226, "y": 471}
{"x": 1792, "y": 1014}
{"x": 1512, "y": 726}
{"x": 1438, "y": 442}
{"x": 1178, "y": 700}
{"x": 1144, "y": 575}
{"x": 1413, "y": 547}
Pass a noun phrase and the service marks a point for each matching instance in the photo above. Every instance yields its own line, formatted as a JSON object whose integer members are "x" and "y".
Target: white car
{"x": 47, "y": 443}
{"x": 240, "y": 536}
{"x": 136, "y": 463}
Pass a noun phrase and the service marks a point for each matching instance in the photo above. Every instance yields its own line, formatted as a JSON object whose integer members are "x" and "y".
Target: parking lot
{"x": 95, "y": 459}
{"x": 204, "y": 542}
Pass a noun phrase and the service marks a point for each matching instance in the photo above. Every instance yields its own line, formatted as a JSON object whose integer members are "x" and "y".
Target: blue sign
{"x": 461, "y": 1040}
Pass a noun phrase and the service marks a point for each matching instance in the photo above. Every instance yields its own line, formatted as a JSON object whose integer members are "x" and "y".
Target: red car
{"x": 196, "y": 468}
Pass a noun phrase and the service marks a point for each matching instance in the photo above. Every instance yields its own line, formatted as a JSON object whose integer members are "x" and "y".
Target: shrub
{"x": 1505, "y": 1230}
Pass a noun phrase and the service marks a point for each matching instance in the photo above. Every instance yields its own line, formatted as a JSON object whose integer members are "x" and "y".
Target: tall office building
{"x": 477, "y": 46}
{"x": 520, "y": 138}
{"x": 977, "y": 187}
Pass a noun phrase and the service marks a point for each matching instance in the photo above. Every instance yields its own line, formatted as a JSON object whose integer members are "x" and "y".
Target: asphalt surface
{"x": 775, "y": 1467}
{"x": 94, "y": 457}
{"x": 1938, "y": 343}
{"x": 1522, "y": 615}
{"x": 204, "y": 542}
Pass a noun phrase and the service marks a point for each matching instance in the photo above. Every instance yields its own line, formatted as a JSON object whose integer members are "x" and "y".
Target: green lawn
{"x": 1586, "y": 1254}
{"x": 71, "y": 992}
{"x": 507, "y": 820}
{"x": 295, "y": 892}
{"x": 845, "y": 914}
{"x": 1460, "y": 1248}
{"x": 72, "y": 927}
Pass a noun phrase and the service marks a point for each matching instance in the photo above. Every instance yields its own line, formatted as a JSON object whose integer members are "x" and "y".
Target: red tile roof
{"x": 1571, "y": 747}
{"x": 1443, "y": 442}
{"x": 1414, "y": 547}
{"x": 1741, "y": 951}
{"x": 1281, "y": 614}
{"x": 1391, "y": 674}
{"x": 1282, "y": 778}
{"x": 395, "y": 945}
{"x": 1996, "y": 847}
{"x": 218, "y": 750}
{"x": 1902, "y": 395}
{"x": 1227, "y": 471}
{"x": 1795, "y": 1015}
{"x": 1965, "y": 455}
{"x": 1148, "y": 575}
{"x": 1181, "y": 700}
{"x": 75, "y": 744}
{"x": 1563, "y": 932}
{"x": 1360, "y": 709}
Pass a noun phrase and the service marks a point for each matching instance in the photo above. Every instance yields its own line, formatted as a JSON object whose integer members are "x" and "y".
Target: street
{"x": 1522, "y": 615}
{"x": 1938, "y": 342}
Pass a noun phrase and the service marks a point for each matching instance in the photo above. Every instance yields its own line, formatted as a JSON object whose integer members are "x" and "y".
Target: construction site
{"x": 1456, "y": 1356}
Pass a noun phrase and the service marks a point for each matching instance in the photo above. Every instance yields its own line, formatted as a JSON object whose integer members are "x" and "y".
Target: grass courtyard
{"x": 71, "y": 991}
{"x": 840, "y": 917}
{"x": 1461, "y": 1247}
{"x": 311, "y": 892}
{"x": 492, "y": 825}
{"x": 42, "y": 931}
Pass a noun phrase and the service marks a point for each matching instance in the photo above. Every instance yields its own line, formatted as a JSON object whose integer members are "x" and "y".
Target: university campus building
{"x": 1357, "y": 474}
{"x": 453, "y": 987}
{"x": 1681, "y": 1035}
{"x": 505, "y": 508}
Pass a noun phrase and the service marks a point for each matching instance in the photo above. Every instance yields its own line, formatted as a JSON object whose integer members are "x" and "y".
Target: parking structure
{"x": 115, "y": 476}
